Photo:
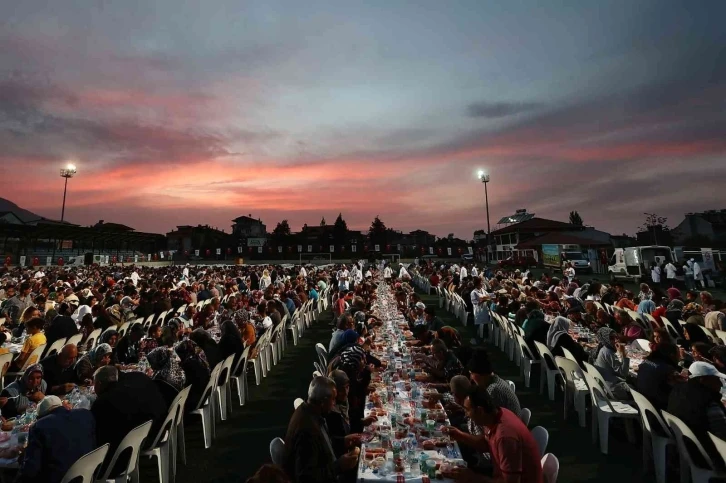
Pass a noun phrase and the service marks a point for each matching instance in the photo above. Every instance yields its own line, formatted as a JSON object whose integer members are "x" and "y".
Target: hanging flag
{"x": 196, "y": 252}
{"x": 48, "y": 260}
{"x": 259, "y": 249}
{"x": 332, "y": 248}
{"x": 299, "y": 248}
{"x": 399, "y": 247}
{"x": 377, "y": 248}
{"x": 279, "y": 249}
{"x": 239, "y": 249}
{"x": 136, "y": 259}
{"x": 22, "y": 261}
{"x": 431, "y": 250}
{"x": 353, "y": 248}
{"x": 471, "y": 250}
{"x": 219, "y": 251}
{"x": 310, "y": 248}
{"x": 448, "y": 250}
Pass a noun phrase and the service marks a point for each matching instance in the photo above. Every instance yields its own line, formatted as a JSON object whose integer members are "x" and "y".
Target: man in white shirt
{"x": 135, "y": 277}
{"x": 343, "y": 278}
{"x": 463, "y": 273}
{"x": 39, "y": 274}
{"x": 303, "y": 272}
{"x": 569, "y": 273}
{"x": 671, "y": 273}
{"x": 474, "y": 272}
{"x": 387, "y": 273}
{"x": 403, "y": 274}
{"x": 185, "y": 272}
{"x": 655, "y": 274}
{"x": 356, "y": 275}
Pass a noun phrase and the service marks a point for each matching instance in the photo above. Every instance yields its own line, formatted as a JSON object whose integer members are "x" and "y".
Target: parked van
{"x": 634, "y": 263}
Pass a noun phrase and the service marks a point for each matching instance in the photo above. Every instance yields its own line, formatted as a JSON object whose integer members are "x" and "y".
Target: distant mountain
{"x": 27, "y": 217}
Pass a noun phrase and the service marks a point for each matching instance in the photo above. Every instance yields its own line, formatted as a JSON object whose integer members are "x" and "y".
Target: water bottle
{"x": 422, "y": 462}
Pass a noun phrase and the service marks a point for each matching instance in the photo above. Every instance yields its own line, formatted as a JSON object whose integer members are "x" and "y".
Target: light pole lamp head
{"x": 69, "y": 171}
{"x": 484, "y": 177}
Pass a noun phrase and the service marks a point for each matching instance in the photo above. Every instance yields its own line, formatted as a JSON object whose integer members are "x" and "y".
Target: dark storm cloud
{"x": 494, "y": 110}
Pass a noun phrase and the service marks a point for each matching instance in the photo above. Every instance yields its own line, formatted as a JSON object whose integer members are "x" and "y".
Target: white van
{"x": 634, "y": 263}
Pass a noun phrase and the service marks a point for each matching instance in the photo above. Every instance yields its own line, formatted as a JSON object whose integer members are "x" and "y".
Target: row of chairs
{"x": 214, "y": 405}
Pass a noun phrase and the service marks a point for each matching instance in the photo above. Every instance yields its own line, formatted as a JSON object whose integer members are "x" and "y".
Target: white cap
{"x": 701, "y": 369}
{"x": 48, "y": 404}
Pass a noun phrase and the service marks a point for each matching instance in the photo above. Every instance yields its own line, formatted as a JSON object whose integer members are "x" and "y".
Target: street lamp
{"x": 484, "y": 177}
{"x": 67, "y": 172}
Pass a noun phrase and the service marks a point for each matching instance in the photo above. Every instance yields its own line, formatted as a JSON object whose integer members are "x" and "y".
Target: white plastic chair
{"x": 682, "y": 433}
{"x": 542, "y": 436}
{"x": 322, "y": 354}
{"x": 205, "y": 407}
{"x": 132, "y": 441}
{"x": 550, "y": 468}
{"x": 33, "y": 358}
{"x": 277, "y": 451}
{"x": 721, "y": 334}
{"x": 548, "y": 370}
{"x": 179, "y": 437}
{"x": 224, "y": 394}
{"x": 642, "y": 344}
{"x": 316, "y": 374}
{"x": 604, "y": 409}
{"x": 92, "y": 338}
{"x": 513, "y": 386}
{"x": 239, "y": 376}
{"x": 162, "y": 446}
{"x": 574, "y": 387}
{"x": 56, "y": 346}
{"x": 86, "y": 466}
{"x": 719, "y": 444}
{"x": 5, "y": 361}
{"x": 75, "y": 339}
{"x": 297, "y": 403}
{"x": 525, "y": 415}
{"x": 528, "y": 359}
{"x": 655, "y": 440}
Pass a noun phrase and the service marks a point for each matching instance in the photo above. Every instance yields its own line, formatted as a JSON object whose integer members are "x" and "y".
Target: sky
{"x": 189, "y": 112}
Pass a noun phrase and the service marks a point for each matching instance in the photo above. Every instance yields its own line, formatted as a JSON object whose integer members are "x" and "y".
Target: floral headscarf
{"x": 603, "y": 338}
{"x": 166, "y": 367}
{"x": 692, "y": 309}
{"x": 187, "y": 349}
{"x": 26, "y": 376}
{"x": 96, "y": 354}
{"x": 241, "y": 317}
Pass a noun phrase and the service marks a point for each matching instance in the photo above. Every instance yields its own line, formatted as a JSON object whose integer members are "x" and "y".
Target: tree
{"x": 340, "y": 230}
{"x": 322, "y": 222}
{"x": 575, "y": 218}
{"x": 655, "y": 229}
{"x": 282, "y": 229}
{"x": 377, "y": 232}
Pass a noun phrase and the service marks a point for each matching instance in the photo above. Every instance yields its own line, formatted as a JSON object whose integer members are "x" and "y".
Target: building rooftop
{"x": 536, "y": 225}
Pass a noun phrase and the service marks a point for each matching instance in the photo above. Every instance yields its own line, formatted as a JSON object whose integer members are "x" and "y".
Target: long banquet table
{"x": 406, "y": 443}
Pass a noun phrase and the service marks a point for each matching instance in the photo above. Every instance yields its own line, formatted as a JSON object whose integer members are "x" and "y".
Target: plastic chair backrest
{"x": 525, "y": 348}
{"x": 642, "y": 344}
{"x": 124, "y": 327}
{"x": 317, "y": 374}
{"x": 183, "y": 396}
{"x": 683, "y": 432}
{"x": 241, "y": 363}
{"x": 86, "y": 466}
{"x": 56, "y": 346}
{"x": 75, "y": 339}
{"x": 5, "y": 361}
{"x": 646, "y": 407}
{"x": 175, "y": 408}
{"x": 34, "y": 357}
{"x": 595, "y": 374}
{"x": 512, "y": 385}
{"x": 133, "y": 440}
{"x": 550, "y": 468}
{"x": 93, "y": 337}
{"x": 297, "y": 402}
{"x": 546, "y": 355}
{"x": 525, "y": 415}
{"x": 719, "y": 444}
{"x": 568, "y": 354}
{"x": 670, "y": 327}
{"x": 567, "y": 368}
{"x": 597, "y": 393}
{"x": 322, "y": 353}
{"x": 226, "y": 371}
{"x": 207, "y": 393}
{"x": 542, "y": 436}
{"x": 277, "y": 451}
{"x": 721, "y": 334}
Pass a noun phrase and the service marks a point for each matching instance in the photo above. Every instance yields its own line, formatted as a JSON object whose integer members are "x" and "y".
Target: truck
{"x": 558, "y": 256}
{"x": 634, "y": 263}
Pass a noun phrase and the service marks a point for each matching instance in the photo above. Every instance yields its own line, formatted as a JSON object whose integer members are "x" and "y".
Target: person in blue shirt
{"x": 313, "y": 294}
{"x": 285, "y": 299}
{"x": 56, "y": 441}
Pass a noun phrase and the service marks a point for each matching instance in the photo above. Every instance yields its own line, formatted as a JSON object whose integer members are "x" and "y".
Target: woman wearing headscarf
{"x": 29, "y": 388}
{"x": 613, "y": 369}
{"x": 196, "y": 371}
{"x": 110, "y": 337}
{"x": 349, "y": 338}
{"x": 352, "y": 361}
{"x": 94, "y": 359}
{"x": 559, "y": 338}
{"x": 211, "y": 350}
{"x": 535, "y": 327}
{"x": 230, "y": 341}
{"x": 692, "y": 333}
{"x": 167, "y": 371}
{"x": 646, "y": 306}
{"x": 241, "y": 317}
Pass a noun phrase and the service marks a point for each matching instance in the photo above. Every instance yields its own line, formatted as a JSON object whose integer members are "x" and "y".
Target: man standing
{"x": 569, "y": 273}
{"x": 655, "y": 274}
{"x": 387, "y": 273}
{"x": 671, "y": 270}
{"x": 309, "y": 454}
{"x": 56, "y": 441}
{"x": 343, "y": 277}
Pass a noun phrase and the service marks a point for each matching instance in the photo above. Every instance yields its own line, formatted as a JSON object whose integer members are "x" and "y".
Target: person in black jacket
{"x": 196, "y": 371}
{"x": 125, "y": 401}
{"x": 231, "y": 341}
{"x": 211, "y": 350}
{"x": 58, "y": 370}
{"x": 127, "y": 348}
{"x": 61, "y": 327}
